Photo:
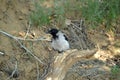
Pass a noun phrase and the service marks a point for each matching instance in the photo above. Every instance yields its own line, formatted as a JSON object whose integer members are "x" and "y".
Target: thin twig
{"x": 22, "y": 46}
{"x": 73, "y": 31}
{"x": 45, "y": 72}
{"x": 13, "y": 71}
{"x": 81, "y": 23}
{"x": 38, "y": 39}
{"x": 22, "y": 39}
{"x": 76, "y": 26}
{"x": 27, "y": 30}
{"x": 38, "y": 73}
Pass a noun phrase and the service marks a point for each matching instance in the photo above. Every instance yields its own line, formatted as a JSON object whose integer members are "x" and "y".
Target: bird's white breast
{"x": 60, "y": 43}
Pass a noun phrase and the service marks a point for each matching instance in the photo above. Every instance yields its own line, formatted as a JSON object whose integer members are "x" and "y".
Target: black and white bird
{"x": 59, "y": 40}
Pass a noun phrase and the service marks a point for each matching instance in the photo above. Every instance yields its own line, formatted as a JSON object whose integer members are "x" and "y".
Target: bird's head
{"x": 53, "y": 32}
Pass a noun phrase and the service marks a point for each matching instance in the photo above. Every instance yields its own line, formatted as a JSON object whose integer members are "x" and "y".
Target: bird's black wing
{"x": 66, "y": 37}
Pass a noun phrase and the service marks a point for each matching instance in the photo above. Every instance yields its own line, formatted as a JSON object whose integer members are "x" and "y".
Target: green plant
{"x": 100, "y": 11}
{"x": 43, "y": 15}
{"x": 40, "y": 16}
{"x": 115, "y": 71}
{"x": 59, "y": 11}
{"x": 90, "y": 11}
{"x": 95, "y": 12}
{"x": 72, "y": 9}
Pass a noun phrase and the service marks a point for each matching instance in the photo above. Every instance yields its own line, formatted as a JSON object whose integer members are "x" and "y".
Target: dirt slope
{"x": 14, "y": 19}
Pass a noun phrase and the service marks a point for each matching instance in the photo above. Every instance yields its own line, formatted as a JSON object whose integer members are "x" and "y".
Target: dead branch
{"x": 64, "y": 61}
{"x": 22, "y": 39}
{"x": 78, "y": 35}
{"x": 22, "y": 46}
{"x": 14, "y": 71}
{"x": 27, "y": 31}
{"x": 38, "y": 73}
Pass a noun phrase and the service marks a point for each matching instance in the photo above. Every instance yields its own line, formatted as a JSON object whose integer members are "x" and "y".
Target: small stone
{"x": 20, "y": 17}
{"x": 22, "y": 34}
{"x": 67, "y": 22}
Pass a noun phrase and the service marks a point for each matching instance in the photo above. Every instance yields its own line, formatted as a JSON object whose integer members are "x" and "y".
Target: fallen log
{"x": 64, "y": 61}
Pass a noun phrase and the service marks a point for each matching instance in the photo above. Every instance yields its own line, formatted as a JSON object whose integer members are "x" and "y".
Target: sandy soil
{"x": 14, "y": 17}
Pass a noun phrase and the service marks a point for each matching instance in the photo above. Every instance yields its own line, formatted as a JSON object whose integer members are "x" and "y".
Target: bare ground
{"x": 14, "y": 20}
